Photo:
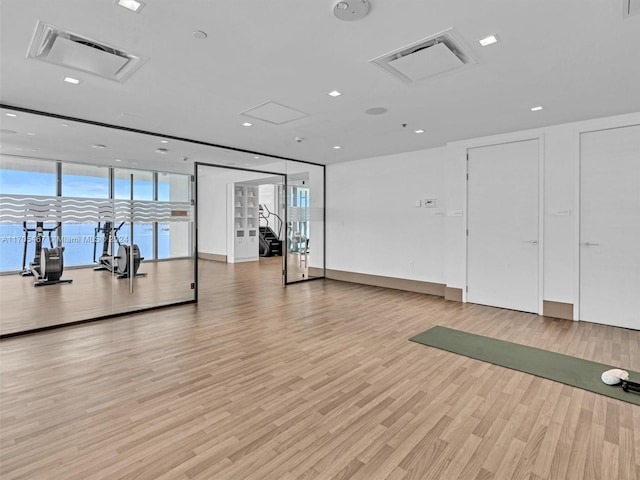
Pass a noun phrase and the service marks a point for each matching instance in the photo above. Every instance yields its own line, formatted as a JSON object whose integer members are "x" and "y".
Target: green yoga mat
{"x": 542, "y": 363}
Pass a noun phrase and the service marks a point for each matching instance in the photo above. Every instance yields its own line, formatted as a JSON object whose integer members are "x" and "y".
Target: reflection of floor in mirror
{"x": 297, "y": 267}
{"x": 92, "y": 294}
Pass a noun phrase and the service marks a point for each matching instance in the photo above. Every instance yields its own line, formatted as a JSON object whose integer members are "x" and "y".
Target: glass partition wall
{"x": 89, "y": 237}
{"x": 103, "y": 219}
{"x": 286, "y": 198}
{"x": 91, "y": 225}
{"x": 305, "y": 223}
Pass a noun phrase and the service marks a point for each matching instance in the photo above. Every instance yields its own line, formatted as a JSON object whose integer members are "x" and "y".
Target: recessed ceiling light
{"x": 247, "y": 124}
{"x": 98, "y": 146}
{"x": 199, "y": 34}
{"x": 118, "y": 160}
{"x": 73, "y": 81}
{"x": 65, "y": 125}
{"x": 161, "y": 151}
{"x": 11, "y": 115}
{"x": 536, "y": 109}
{"x": 490, "y": 40}
{"x": 256, "y": 157}
{"x": 337, "y": 147}
{"x": 30, "y": 133}
{"x": 164, "y": 141}
{"x": 419, "y": 131}
{"x": 132, "y": 5}
{"x": 335, "y": 93}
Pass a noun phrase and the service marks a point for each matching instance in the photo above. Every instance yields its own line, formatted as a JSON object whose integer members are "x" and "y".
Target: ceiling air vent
{"x": 427, "y": 58}
{"x": 275, "y": 113}
{"x": 59, "y": 47}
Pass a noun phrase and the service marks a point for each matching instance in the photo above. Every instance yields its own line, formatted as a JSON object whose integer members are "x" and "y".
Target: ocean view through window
{"x": 38, "y": 178}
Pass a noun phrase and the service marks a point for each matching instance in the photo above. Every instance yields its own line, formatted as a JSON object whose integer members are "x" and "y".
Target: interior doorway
{"x": 269, "y": 223}
{"x": 242, "y": 234}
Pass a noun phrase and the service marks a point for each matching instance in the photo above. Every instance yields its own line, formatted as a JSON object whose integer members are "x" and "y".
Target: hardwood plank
{"x": 313, "y": 381}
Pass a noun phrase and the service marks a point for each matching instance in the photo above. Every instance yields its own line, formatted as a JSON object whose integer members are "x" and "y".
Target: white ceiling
{"x": 579, "y": 59}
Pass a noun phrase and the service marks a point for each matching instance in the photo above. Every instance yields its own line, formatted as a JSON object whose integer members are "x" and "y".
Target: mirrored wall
{"x": 89, "y": 226}
{"x": 97, "y": 221}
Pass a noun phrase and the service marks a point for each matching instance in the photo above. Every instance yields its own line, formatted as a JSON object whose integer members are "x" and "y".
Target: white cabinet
{"x": 242, "y": 229}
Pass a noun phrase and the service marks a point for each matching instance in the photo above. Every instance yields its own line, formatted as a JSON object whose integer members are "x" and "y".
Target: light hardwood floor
{"x": 314, "y": 381}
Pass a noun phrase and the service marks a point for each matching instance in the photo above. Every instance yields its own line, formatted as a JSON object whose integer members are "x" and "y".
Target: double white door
{"x": 610, "y": 227}
{"x": 503, "y": 244}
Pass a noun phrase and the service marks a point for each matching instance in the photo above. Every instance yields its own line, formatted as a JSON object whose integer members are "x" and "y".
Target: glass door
{"x": 155, "y": 256}
{"x": 304, "y": 201}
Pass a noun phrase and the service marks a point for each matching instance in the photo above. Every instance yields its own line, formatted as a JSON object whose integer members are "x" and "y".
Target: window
{"x": 84, "y": 188}
{"x": 85, "y": 181}
{"x": 22, "y": 177}
{"x": 142, "y": 184}
{"x": 82, "y": 181}
{"x": 142, "y": 190}
{"x": 174, "y": 239}
{"x": 27, "y": 177}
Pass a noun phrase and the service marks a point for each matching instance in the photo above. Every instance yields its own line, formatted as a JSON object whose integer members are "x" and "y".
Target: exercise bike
{"x": 48, "y": 263}
{"x": 121, "y": 264}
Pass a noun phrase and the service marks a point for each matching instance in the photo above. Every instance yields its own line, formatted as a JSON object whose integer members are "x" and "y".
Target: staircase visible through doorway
{"x": 270, "y": 246}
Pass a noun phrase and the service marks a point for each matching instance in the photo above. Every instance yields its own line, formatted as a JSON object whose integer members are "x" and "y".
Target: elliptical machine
{"x": 120, "y": 264}
{"x": 48, "y": 263}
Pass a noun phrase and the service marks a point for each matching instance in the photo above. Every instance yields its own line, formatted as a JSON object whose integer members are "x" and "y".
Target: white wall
{"x": 212, "y": 210}
{"x": 373, "y": 224}
{"x": 365, "y": 197}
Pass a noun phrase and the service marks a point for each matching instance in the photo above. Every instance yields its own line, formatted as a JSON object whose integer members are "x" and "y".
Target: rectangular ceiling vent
{"x": 427, "y": 58}
{"x": 630, "y": 8}
{"x": 59, "y": 47}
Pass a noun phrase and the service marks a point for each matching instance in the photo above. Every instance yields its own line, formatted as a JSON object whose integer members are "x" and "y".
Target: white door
{"x": 502, "y": 242}
{"x": 610, "y": 227}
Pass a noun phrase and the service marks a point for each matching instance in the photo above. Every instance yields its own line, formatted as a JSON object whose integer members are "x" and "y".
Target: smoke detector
{"x": 350, "y": 10}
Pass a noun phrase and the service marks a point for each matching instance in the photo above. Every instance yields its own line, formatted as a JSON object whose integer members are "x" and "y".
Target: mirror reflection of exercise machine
{"x": 270, "y": 243}
{"x": 121, "y": 264}
{"x": 48, "y": 263}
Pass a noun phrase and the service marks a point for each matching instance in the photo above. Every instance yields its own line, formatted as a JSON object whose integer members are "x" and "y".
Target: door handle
{"x": 531, "y": 242}
{"x": 588, "y": 244}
